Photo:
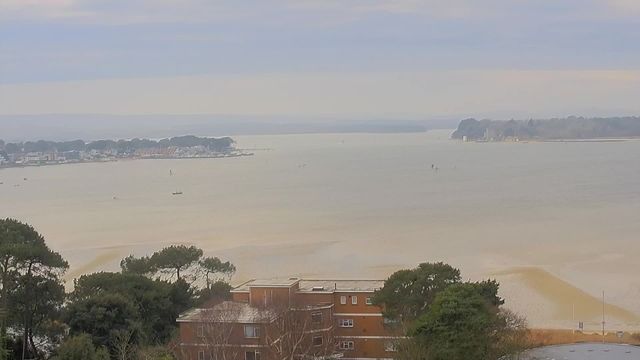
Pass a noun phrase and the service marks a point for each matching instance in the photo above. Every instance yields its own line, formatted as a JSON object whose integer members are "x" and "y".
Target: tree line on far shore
{"x": 217, "y": 144}
{"x": 131, "y": 314}
{"x": 566, "y": 128}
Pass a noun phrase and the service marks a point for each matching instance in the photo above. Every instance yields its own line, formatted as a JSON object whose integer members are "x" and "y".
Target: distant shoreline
{"x": 5, "y": 167}
{"x": 567, "y": 129}
{"x": 595, "y": 140}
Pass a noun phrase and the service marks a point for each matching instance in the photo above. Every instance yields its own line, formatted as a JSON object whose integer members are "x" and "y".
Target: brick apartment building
{"x": 289, "y": 318}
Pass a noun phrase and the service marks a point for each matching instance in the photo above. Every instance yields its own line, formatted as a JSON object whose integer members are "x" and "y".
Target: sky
{"x": 317, "y": 57}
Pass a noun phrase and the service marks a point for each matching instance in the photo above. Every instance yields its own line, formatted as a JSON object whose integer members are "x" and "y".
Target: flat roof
{"x": 320, "y": 285}
{"x": 228, "y": 311}
{"x": 341, "y": 285}
{"x": 585, "y": 351}
{"x": 275, "y": 282}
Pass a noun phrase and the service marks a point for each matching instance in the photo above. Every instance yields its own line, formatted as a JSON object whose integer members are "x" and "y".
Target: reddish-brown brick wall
{"x": 266, "y": 296}
{"x": 192, "y": 343}
{"x": 241, "y": 297}
{"x": 313, "y": 298}
{"x": 367, "y": 333}
{"x": 362, "y": 326}
{"x": 361, "y": 307}
{"x": 367, "y": 348}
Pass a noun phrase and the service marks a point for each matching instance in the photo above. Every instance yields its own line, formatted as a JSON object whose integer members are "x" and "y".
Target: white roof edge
{"x": 243, "y": 284}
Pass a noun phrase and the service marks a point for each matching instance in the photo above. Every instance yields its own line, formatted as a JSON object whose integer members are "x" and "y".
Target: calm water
{"x": 363, "y": 205}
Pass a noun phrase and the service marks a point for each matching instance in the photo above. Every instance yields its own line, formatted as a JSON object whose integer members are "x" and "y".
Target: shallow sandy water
{"x": 555, "y": 223}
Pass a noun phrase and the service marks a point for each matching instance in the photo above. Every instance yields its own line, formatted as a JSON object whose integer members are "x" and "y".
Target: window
{"x": 343, "y": 300}
{"x": 354, "y": 300}
{"x": 345, "y": 322}
{"x": 317, "y": 340}
{"x": 316, "y": 318}
{"x": 201, "y": 355}
{"x": 252, "y": 355}
{"x": 390, "y": 346}
{"x": 200, "y": 330}
{"x": 251, "y": 331}
{"x": 347, "y": 345}
{"x": 368, "y": 300}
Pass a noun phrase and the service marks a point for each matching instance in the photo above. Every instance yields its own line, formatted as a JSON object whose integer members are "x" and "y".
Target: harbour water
{"x": 555, "y": 223}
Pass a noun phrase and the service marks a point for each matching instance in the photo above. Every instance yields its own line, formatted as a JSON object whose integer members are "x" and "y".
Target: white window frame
{"x": 200, "y": 354}
{"x": 200, "y": 330}
{"x": 313, "y": 340}
{"x": 343, "y": 300}
{"x": 354, "y": 300}
{"x": 256, "y": 332}
{"x": 256, "y": 354}
{"x": 368, "y": 300}
{"x": 345, "y": 323}
{"x": 313, "y": 315}
{"x": 347, "y": 345}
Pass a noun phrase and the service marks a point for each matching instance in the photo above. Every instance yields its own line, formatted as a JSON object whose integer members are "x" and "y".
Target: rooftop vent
{"x": 318, "y": 288}
{"x": 292, "y": 278}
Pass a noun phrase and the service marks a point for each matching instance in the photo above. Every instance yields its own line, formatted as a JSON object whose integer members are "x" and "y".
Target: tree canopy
{"x": 155, "y": 301}
{"x": 213, "y": 267}
{"x": 567, "y": 128}
{"x": 139, "y": 266}
{"x": 107, "y": 314}
{"x": 438, "y": 317}
{"x": 176, "y": 259}
{"x": 80, "y": 347}
{"x": 100, "y": 315}
{"x": 458, "y": 324}
{"x": 216, "y": 144}
{"x": 408, "y": 293}
{"x": 27, "y": 267}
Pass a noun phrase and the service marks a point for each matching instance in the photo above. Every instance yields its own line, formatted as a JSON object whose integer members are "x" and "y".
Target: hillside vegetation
{"x": 567, "y": 128}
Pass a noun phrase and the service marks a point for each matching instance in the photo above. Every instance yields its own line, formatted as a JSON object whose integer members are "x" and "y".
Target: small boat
{"x": 25, "y": 179}
{"x": 177, "y": 193}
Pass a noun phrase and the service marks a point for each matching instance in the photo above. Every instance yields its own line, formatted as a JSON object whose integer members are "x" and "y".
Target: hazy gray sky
{"x": 431, "y": 57}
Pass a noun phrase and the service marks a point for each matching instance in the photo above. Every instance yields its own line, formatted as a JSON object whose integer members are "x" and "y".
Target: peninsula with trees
{"x": 42, "y": 152}
{"x": 570, "y": 128}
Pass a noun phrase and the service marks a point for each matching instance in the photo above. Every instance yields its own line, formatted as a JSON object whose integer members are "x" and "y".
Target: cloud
{"x": 40, "y": 9}
{"x": 627, "y": 6}
{"x": 119, "y": 12}
{"x": 206, "y": 38}
{"x": 116, "y": 12}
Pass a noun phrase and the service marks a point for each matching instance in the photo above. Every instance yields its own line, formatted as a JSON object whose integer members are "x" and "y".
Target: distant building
{"x": 328, "y": 319}
{"x": 151, "y": 152}
{"x": 34, "y": 158}
{"x": 50, "y": 156}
